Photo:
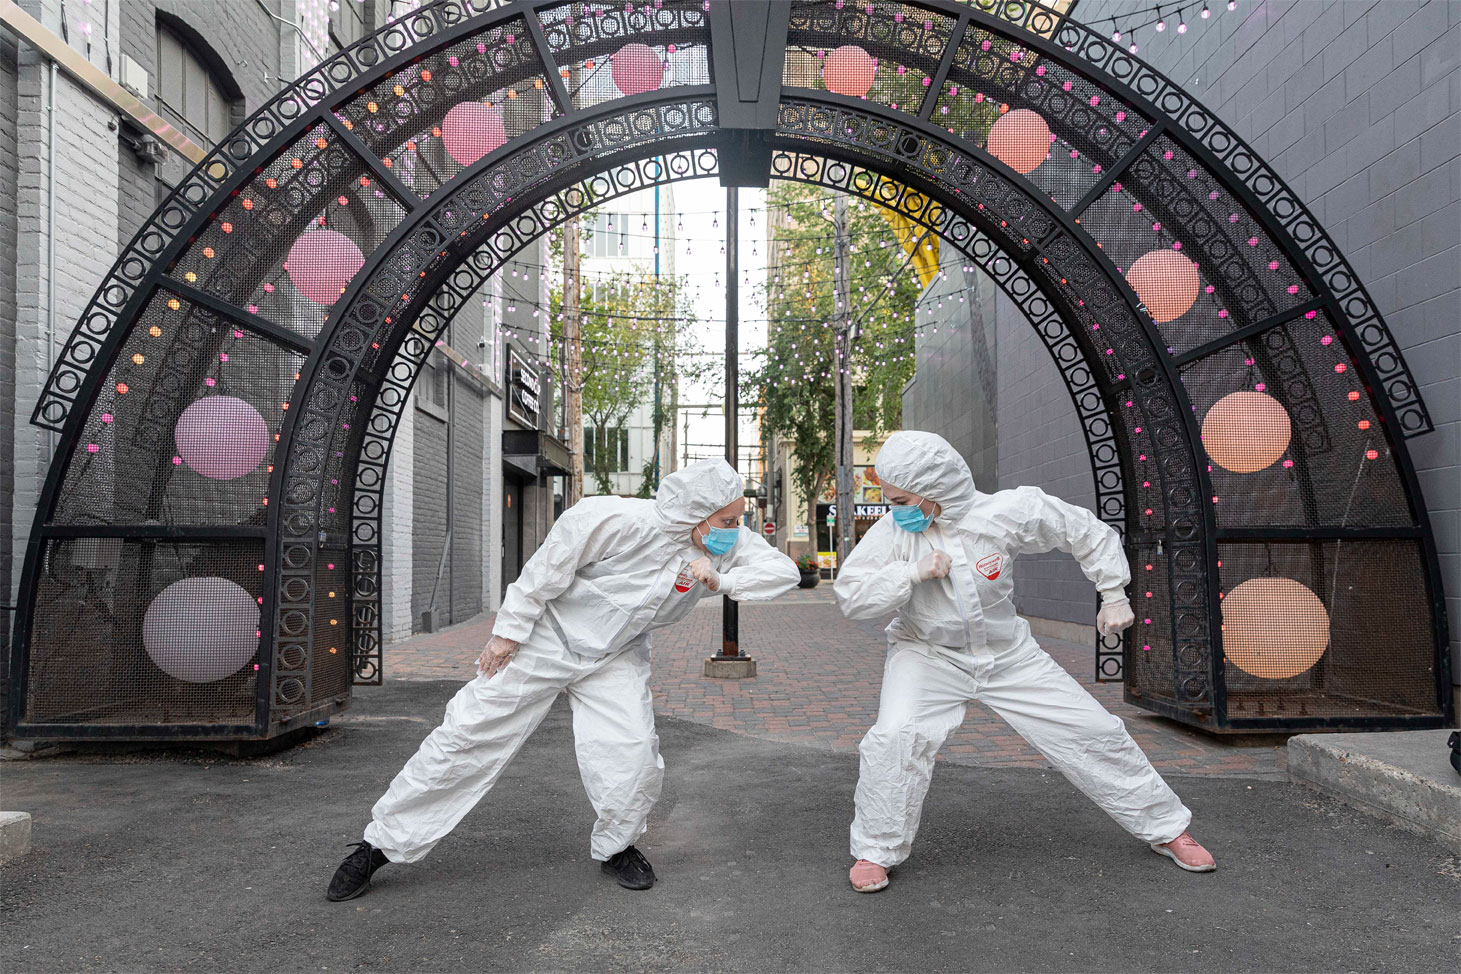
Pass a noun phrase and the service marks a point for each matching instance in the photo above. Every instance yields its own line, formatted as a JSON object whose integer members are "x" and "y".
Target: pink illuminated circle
{"x": 471, "y": 130}
{"x": 1166, "y": 282}
{"x": 636, "y": 68}
{"x": 1020, "y": 139}
{"x": 321, "y": 263}
{"x": 201, "y": 629}
{"x": 849, "y": 71}
{"x": 221, "y": 437}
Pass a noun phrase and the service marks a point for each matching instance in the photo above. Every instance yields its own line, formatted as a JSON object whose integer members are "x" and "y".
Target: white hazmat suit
{"x": 958, "y": 639}
{"x": 610, "y": 570}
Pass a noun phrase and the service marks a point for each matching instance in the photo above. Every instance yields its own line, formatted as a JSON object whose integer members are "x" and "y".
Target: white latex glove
{"x": 498, "y": 654}
{"x": 705, "y": 572}
{"x": 935, "y": 564}
{"x": 1115, "y": 616}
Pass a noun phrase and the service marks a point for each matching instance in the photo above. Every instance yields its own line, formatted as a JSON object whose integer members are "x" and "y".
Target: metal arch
{"x": 630, "y": 176}
{"x": 1061, "y": 254}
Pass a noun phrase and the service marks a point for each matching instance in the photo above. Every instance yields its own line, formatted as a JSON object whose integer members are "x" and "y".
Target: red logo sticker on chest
{"x": 990, "y": 565}
{"x": 685, "y": 581}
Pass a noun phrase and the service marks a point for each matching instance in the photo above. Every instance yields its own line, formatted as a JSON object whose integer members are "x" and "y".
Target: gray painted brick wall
{"x": 1357, "y": 105}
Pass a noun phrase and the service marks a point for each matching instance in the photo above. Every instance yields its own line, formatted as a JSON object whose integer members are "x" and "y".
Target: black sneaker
{"x": 353, "y": 876}
{"x": 630, "y": 868}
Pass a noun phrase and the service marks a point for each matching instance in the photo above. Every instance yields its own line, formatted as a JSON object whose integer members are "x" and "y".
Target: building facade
{"x": 1357, "y": 105}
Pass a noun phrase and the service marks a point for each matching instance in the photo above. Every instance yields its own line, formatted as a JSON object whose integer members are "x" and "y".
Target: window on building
{"x": 611, "y": 442}
{"x": 607, "y": 235}
{"x": 189, "y": 90}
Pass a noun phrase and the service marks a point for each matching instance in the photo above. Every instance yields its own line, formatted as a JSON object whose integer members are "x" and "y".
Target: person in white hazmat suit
{"x": 577, "y": 621}
{"x": 942, "y": 560}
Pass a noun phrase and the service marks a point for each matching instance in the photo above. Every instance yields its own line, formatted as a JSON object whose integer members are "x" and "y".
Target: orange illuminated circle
{"x": 1354, "y": 397}
{"x": 511, "y": 94}
{"x": 436, "y": 131}
{"x": 1372, "y": 454}
{"x": 1364, "y": 424}
{"x": 155, "y": 331}
{"x": 226, "y": 227}
{"x": 1020, "y": 140}
{"x": 122, "y": 388}
{"x": 365, "y": 180}
{"x": 296, "y": 163}
{"x": 399, "y": 90}
{"x": 1274, "y": 628}
{"x": 538, "y": 83}
{"x": 174, "y": 304}
{"x": 372, "y": 107}
{"x": 272, "y": 183}
{"x": 138, "y": 359}
{"x": 208, "y": 252}
{"x": 1246, "y": 431}
{"x": 1166, "y": 282}
{"x": 411, "y": 145}
{"x": 248, "y": 204}
{"x": 589, "y": 63}
{"x": 190, "y": 277}
{"x": 320, "y": 143}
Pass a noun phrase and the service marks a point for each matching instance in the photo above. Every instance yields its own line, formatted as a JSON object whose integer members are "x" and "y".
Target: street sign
{"x": 769, "y": 528}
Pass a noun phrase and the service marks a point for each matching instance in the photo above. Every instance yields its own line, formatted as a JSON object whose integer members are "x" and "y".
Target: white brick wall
{"x": 85, "y": 245}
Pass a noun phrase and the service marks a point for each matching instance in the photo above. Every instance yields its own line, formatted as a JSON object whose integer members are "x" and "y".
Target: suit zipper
{"x": 958, "y": 594}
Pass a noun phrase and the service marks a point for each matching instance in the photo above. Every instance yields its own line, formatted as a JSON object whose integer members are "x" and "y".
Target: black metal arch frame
{"x": 317, "y": 530}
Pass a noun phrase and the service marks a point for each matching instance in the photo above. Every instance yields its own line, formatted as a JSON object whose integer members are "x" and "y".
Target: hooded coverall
{"x": 957, "y": 639}
{"x": 610, "y": 570}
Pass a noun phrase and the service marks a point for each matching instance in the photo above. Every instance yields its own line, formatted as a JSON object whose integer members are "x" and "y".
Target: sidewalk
{"x": 817, "y": 684}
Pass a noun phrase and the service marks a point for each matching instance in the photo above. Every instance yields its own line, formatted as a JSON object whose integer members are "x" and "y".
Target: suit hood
{"x": 691, "y": 494}
{"x": 926, "y": 464}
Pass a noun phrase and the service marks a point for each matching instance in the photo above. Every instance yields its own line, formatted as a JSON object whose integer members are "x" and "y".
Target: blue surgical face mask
{"x": 720, "y": 540}
{"x": 910, "y": 517}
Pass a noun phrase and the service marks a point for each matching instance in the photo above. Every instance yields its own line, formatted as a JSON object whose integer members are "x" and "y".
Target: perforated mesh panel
{"x": 317, "y": 203}
{"x": 1379, "y": 658}
{"x": 151, "y": 633}
{"x": 412, "y": 121}
{"x": 1314, "y": 455}
{"x": 1150, "y": 663}
{"x": 184, "y": 430}
{"x": 661, "y": 46}
{"x": 884, "y": 52}
{"x": 993, "y": 76}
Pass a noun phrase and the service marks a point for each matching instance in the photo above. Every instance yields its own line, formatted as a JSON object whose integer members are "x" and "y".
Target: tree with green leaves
{"x": 635, "y": 328}
{"x": 794, "y": 384}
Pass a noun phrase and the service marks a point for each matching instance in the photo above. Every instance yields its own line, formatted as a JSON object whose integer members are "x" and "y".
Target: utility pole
{"x": 842, "y": 360}
{"x": 729, "y": 663}
{"x": 573, "y": 339}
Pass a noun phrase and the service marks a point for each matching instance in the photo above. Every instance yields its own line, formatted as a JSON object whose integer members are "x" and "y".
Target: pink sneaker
{"x": 1187, "y": 853}
{"x": 868, "y": 877}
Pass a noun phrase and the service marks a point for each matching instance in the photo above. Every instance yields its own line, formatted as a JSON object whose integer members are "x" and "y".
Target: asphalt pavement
{"x": 156, "y": 861}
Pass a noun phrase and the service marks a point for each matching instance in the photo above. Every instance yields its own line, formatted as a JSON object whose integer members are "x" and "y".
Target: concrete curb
{"x": 1403, "y": 777}
{"x": 14, "y": 835}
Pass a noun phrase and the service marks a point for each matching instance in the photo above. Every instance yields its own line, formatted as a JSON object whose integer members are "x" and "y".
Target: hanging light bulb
{"x": 1161, "y": 23}
{"x": 1232, "y": 4}
{"x": 1181, "y": 25}
{"x": 1116, "y": 35}
{"x": 1206, "y": 13}
{"x": 1133, "y": 48}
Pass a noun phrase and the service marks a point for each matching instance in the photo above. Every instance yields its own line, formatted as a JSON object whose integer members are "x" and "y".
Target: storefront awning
{"x": 530, "y": 454}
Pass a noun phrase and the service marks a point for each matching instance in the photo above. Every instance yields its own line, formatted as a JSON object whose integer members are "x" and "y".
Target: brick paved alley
{"x": 817, "y": 684}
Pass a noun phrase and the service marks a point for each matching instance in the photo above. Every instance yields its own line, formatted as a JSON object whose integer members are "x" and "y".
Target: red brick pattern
{"x": 817, "y": 684}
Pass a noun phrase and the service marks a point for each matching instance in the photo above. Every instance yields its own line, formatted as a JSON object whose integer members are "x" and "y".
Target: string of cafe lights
{"x": 1123, "y": 28}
